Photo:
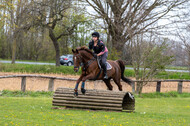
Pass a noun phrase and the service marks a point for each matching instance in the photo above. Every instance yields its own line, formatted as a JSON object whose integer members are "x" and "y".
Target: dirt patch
{"x": 40, "y": 84}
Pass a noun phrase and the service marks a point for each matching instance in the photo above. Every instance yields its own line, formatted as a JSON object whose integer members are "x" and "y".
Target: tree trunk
{"x": 14, "y": 48}
{"x": 117, "y": 40}
{"x": 139, "y": 87}
{"x": 15, "y": 34}
{"x": 13, "y": 37}
{"x": 56, "y": 46}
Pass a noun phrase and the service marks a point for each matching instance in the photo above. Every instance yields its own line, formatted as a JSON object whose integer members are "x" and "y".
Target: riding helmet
{"x": 95, "y": 34}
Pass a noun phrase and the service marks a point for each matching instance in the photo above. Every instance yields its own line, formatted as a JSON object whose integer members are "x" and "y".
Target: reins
{"x": 87, "y": 64}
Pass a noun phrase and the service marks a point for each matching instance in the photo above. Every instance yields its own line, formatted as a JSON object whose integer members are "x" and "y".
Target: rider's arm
{"x": 102, "y": 46}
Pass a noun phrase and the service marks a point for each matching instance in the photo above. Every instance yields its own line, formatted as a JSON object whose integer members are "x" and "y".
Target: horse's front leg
{"x": 76, "y": 86}
{"x": 90, "y": 76}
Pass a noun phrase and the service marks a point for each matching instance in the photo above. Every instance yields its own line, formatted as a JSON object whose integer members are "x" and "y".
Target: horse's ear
{"x": 73, "y": 50}
{"x": 77, "y": 51}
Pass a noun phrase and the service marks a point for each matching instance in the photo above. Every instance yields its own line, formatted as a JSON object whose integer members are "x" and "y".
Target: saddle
{"x": 109, "y": 67}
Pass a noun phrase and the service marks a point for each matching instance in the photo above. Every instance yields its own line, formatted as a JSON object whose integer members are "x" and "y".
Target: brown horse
{"x": 91, "y": 70}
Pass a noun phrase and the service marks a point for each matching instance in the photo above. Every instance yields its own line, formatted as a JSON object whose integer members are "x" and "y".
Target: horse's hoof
{"x": 75, "y": 94}
{"x": 83, "y": 91}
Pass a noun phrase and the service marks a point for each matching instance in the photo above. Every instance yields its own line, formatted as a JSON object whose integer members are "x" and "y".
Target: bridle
{"x": 85, "y": 65}
{"x": 79, "y": 56}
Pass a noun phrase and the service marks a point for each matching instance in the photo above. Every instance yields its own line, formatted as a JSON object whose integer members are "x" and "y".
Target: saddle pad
{"x": 109, "y": 67}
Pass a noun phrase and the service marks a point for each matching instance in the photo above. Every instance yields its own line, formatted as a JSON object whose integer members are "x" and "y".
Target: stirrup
{"x": 106, "y": 77}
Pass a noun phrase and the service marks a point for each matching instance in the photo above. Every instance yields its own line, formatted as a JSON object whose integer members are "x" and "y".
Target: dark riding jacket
{"x": 100, "y": 47}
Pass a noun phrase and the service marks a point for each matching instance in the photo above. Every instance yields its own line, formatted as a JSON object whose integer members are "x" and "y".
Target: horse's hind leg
{"x": 117, "y": 81}
{"x": 108, "y": 84}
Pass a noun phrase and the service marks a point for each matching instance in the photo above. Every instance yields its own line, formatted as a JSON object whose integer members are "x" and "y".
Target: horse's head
{"x": 81, "y": 55}
{"x": 76, "y": 59}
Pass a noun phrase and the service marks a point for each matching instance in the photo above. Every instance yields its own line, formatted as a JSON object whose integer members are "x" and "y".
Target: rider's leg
{"x": 104, "y": 65}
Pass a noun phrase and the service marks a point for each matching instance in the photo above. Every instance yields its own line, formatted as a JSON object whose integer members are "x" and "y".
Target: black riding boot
{"x": 104, "y": 66}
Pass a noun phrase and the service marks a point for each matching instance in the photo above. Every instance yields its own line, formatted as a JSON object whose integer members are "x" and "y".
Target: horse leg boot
{"x": 76, "y": 90}
{"x": 82, "y": 88}
{"x": 104, "y": 66}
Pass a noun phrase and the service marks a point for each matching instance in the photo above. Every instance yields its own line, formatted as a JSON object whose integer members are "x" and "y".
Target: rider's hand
{"x": 95, "y": 55}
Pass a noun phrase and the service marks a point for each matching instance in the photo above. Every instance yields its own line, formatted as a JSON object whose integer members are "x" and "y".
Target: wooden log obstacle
{"x": 94, "y": 100}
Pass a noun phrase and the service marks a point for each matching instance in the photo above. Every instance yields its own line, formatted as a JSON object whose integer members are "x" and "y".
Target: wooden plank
{"x": 92, "y": 91}
{"x": 92, "y": 94}
{"x": 23, "y": 84}
{"x": 180, "y": 86}
{"x": 51, "y": 85}
{"x": 87, "y": 103}
{"x": 87, "y": 100}
{"x": 158, "y": 86}
{"x": 89, "y": 97}
{"x": 88, "y": 107}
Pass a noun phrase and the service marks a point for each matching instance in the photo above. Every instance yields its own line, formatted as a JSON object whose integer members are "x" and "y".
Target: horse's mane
{"x": 85, "y": 48}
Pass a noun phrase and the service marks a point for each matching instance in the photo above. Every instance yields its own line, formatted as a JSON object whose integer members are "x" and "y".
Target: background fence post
{"x": 158, "y": 86}
{"x": 23, "y": 84}
{"x": 180, "y": 86}
{"x": 51, "y": 85}
{"x": 133, "y": 86}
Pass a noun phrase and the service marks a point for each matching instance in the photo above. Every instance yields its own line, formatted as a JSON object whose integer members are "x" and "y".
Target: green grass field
{"x": 36, "y": 111}
{"x": 39, "y": 61}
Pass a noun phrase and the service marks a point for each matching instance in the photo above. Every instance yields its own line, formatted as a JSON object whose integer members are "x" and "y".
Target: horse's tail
{"x": 122, "y": 66}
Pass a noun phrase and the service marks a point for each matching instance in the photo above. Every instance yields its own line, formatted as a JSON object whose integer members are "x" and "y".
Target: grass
{"x": 177, "y": 67}
{"x": 172, "y": 94}
{"x": 169, "y": 67}
{"x": 173, "y": 75}
{"x": 162, "y": 75}
{"x": 7, "y": 93}
{"x": 27, "y": 68}
{"x": 53, "y": 61}
{"x": 50, "y": 61}
{"x": 149, "y": 111}
{"x": 68, "y": 70}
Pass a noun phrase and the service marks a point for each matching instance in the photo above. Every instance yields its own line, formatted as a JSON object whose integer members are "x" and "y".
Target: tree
{"x": 125, "y": 18}
{"x": 147, "y": 58}
{"x": 185, "y": 40}
{"x": 50, "y": 14}
{"x": 182, "y": 34}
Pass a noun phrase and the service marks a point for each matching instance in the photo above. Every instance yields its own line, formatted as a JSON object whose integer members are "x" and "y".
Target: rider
{"x": 100, "y": 50}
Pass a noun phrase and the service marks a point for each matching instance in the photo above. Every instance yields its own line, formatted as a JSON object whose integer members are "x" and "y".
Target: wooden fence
{"x": 51, "y": 81}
